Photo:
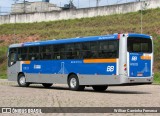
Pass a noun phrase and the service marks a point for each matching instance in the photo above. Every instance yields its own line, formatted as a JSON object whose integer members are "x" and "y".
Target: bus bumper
{"x": 135, "y": 80}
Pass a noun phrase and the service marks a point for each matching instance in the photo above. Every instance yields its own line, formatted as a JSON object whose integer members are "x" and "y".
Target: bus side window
{"x": 22, "y": 53}
{"x": 12, "y": 59}
{"x": 111, "y": 50}
{"x": 23, "y": 57}
{"x": 78, "y": 51}
{"x": 12, "y": 56}
{"x": 19, "y": 57}
{"x": 94, "y": 49}
{"x": 103, "y": 48}
{"x": 47, "y": 53}
{"x": 62, "y": 52}
{"x": 56, "y": 52}
{"x": 108, "y": 49}
{"x": 87, "y": 54}
{"x": 86, "y": 50}
{"x": 69, "y": 51}
{"x": 33, "y": 53}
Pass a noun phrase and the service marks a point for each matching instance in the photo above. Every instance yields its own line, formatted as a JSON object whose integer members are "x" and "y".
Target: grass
{"x": 157, "y": 78}
{"x": 3, "y": 67}
{"x": 129, "y": 22}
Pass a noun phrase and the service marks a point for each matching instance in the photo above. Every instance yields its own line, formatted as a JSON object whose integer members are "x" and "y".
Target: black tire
{"x": 22, "y": 81}
{"x": 47, "y": 85}
{"x": 73, "y": 83}
{"x": 100, "y": 87}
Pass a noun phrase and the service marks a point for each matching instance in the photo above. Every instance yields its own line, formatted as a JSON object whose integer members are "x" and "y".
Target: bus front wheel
{"x": 47, "y": 85}
{"x": 100, "y": 87}
{"x": 22, "y": 81}
{"x": 73, "y": 83}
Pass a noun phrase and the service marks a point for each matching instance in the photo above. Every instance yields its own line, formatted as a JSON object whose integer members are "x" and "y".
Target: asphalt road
{"x": 12, "y": 95}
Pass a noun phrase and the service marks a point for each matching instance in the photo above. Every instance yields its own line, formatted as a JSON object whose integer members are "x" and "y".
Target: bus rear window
{"x": 135, "y": 44}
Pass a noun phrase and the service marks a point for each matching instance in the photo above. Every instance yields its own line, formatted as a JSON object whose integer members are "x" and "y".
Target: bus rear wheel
{"x": 73, "y": 83}
{"x": 47, "y": 85}
{"x": 22, "y": 81}
{"x": 100, "y": 87}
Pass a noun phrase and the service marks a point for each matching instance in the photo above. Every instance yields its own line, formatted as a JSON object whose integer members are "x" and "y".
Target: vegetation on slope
{"x": 3, "y": 60}
{"x": 130, "y": 22}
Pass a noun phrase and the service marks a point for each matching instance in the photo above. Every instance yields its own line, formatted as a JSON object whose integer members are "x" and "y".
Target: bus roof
{"x": 139, "y": 35}
{"x": 77, "y": 39}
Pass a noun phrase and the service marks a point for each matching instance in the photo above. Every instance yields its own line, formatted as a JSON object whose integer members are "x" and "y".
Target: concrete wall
{"x": 33, "y": 7}
{"x": 80, "y": 13}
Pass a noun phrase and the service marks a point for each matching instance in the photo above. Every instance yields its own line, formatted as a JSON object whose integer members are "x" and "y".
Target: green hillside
{"x": 120, "y": 23}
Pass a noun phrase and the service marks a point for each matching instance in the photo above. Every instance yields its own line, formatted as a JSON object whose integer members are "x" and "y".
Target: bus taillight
{"x": 125, "y": 67}
{"x": 119, "y": 36}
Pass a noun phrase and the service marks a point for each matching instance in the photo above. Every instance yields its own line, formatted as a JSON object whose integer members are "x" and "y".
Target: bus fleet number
{"x": 110, "y": 68}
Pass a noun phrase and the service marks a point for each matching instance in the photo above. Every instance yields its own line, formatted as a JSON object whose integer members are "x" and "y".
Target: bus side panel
{"x": 83, "y": 79}
{"x": 99, "y": 79}
{"x": 57, "y": 71}
{"x": 46, "y": 78}
{"x": 70, "y": 66}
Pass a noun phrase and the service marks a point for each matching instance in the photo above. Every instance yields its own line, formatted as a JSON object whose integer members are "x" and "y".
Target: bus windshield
{"x": 137, "y": 44}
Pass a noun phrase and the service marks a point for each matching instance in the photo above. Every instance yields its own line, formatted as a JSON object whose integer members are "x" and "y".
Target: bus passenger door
{"x": 12, "y": 65}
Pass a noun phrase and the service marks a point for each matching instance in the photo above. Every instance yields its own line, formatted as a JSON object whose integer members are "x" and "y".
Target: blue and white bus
{"x": 97, "y": 61}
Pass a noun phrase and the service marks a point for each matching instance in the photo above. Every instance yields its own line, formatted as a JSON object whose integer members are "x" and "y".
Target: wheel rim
{"x": 22, "y": 80}
{"x": 73, "y": 83}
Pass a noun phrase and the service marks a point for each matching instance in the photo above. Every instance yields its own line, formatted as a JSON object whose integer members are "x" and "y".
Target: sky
{"x": 5, "y": 5}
